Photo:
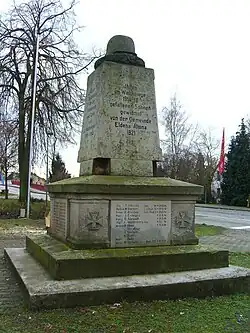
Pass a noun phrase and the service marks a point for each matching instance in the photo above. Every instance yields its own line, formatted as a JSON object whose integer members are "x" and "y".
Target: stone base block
{"x": 116, "y": 211}
{"x": 42, "y": 292}
{"x": 63, "y": 264}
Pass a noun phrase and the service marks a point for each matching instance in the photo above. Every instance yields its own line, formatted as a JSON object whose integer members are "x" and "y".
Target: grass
{"x": 210, "y": 315}
{"x": 8, "y": 224}
{"x": 208, "y": 230}
{"x": 240, "y": 259}
{"x": 11, "y": 208}
{"x": 220, "y": 314}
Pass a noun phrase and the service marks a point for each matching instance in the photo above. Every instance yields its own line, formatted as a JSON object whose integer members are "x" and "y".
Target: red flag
{"x": 221, "y": 164}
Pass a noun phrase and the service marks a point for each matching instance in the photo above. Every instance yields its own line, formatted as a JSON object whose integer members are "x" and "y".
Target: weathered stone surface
{"x": 120, "y": 43}
{"x": 183, "y": 227}
{"x": 89, "y": 221}
{"x": 102, "y": 195}
{"x": 131, "y": 167}
{"x": 62, "y": 263}
{"x": 121, "y": 49}
{"x": 59, "y": 217}
{"x": 121, "y": 58}
{"x": 43, "y": 292}
{"x": 120, "y": 119}
{"x": 126, "y": 185}
{"x": 137, "y": 223}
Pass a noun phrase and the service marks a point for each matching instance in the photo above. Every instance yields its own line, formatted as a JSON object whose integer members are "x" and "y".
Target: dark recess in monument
{"x": 101, "y": 166}
{"x": 154, "y": 168}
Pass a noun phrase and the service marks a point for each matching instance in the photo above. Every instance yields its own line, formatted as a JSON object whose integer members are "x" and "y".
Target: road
{"x": 233, "y": 219}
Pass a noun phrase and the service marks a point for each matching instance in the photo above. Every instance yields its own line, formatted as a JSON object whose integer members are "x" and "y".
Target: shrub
{"x": 10, "y": 209}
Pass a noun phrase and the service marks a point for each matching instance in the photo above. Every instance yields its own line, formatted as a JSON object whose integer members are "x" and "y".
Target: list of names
{"x": 135, "y": 223}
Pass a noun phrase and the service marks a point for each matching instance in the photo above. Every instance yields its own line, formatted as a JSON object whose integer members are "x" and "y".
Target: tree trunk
{"x": 27, "y": 141}
{"x": 206, "y": 193}
{"x": 23, "y": 176}
{"x": 209, "y": 189}
{"x": 6, "y": 176}
{"x": 28, "y": 154}
{"x": 23, "y": 180}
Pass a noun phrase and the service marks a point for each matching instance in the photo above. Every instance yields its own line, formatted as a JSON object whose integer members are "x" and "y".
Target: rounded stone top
{"x": 120, "y": 43}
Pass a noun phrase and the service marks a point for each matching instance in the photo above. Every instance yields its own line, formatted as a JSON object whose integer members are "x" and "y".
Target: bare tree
{"x": 191, "y": 153}
{"x": 59, "y": 99}
{"x": 207, "y": 145}
{"x": 8, "y": 146}
{"x": 180, "y": 135}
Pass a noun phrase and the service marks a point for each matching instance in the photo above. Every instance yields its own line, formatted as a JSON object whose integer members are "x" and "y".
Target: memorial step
{"x": 63, "y": 263}
{"x": 44, "y": 292}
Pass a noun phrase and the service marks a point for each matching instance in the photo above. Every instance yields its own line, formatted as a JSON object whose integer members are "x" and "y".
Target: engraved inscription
{"x": 120, "y": 118}
{"x": 90, "y": 117}
{"x": 59, "y": 217}
{"x": 140, "y": 223}
{"x": 135, "y": 108}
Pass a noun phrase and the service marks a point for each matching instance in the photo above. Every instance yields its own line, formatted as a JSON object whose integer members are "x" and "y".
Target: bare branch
{"x": 60, "y": 98}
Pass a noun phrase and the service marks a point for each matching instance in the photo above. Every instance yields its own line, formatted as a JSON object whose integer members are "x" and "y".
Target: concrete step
{"x": 64, "y": 263}
{"x": 44, "y": 292}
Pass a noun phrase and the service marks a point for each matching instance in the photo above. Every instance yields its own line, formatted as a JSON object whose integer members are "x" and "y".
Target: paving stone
{"x": 10, "y": 293}
{"x": 231, "y": 240}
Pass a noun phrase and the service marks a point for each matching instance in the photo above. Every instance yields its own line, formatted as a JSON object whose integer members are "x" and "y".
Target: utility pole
{"x": 48, "y": 134}
{"x": 32, "y": 124}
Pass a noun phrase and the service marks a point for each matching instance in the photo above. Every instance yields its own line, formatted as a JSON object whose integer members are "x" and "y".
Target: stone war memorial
{"x": 119, "y": 232}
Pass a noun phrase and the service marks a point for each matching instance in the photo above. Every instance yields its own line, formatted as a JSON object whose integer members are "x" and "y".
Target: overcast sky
{"x": 198, "y": 49}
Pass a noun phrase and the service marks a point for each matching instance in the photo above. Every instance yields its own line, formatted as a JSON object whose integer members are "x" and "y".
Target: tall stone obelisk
{"x": 120, "y": 130}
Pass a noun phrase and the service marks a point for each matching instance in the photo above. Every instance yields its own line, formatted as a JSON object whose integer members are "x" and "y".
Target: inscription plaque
{"x": 59, "y": 217}
{"x": 140, "y": 223}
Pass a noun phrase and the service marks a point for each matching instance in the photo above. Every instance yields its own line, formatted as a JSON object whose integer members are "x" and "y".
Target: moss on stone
{"x": 124, "y": 184}
{"x": 61, "y": 250}
{"x": 65, "y": 263}
{"x": 99, "y": 179}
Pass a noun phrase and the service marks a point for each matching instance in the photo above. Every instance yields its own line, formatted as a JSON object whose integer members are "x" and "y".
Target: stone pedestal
{"x": 116, "y": 211}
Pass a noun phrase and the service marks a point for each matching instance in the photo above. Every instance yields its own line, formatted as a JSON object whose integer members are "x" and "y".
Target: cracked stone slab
{"x": 44, "y": 292}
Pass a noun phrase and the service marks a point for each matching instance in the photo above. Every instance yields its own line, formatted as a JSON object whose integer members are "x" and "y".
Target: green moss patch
{"x": 124, "y": 185}
{"x": 65, "y": 263}
{"x": 208, "y": 230}
{"x": 94, "y": 179}
{"x": 240, "y": 259}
